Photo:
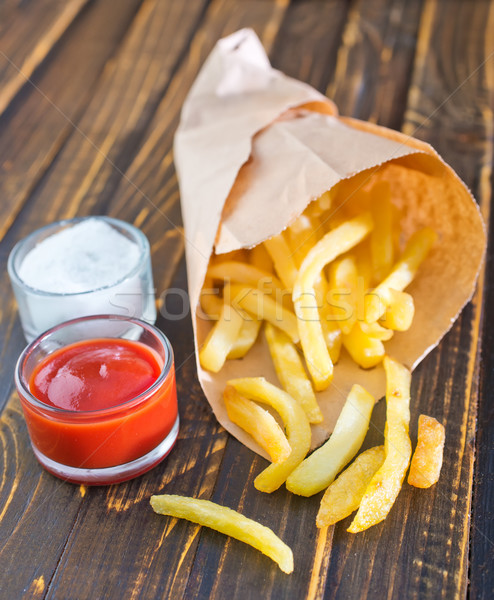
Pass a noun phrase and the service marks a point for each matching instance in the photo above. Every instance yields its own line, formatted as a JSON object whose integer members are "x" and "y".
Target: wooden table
{"x": 90, "y": 96}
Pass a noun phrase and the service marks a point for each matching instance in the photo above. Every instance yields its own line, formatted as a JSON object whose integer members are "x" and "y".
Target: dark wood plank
{"x": 27, "y": 35}
{"x": 35, "y": 126}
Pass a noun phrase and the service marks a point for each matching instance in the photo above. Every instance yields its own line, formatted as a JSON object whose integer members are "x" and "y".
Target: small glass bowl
{"x": 108, "y": 445}
{"x": 131, "y": 295}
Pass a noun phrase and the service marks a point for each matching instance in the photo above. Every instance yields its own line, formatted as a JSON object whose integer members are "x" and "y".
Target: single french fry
{"x": 343, "y": 294}
{"x": 344, "y": 495}
{"x": 385, "y": 485}
{"x": 334, "y": 243}
{"x": 295, "y": 421}
{"x": 220, "y": 339}
{"x": 365, "y": 350}
{"x": 381, "y": 239}
{"x": 428, "y": 456}
{"x": 258, "y": 423}
{"x": 247, "y": 337}
{"x": 262, "y": 307}
{"x": 401, "y": 275}
{"x": 291, "y": 373}
{"x": 260, "y": 258}
{"x": 376, "y": 330}
{"x": 227, "y": 521}
{"x": 399, "y": 311}
{"x": 331, "y": 333}
{"x": 242, "y": 273}
{"x": 318, "y": 470}
{"x": 302, "y": 235}
{"x": 282, "y": 258}
{"x": 211, "y": 303}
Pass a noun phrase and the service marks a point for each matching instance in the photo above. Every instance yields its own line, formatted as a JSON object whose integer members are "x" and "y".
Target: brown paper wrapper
{"x": 254, "y": 148}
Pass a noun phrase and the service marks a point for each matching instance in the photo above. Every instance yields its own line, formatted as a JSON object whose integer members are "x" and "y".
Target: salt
{"x": 85, "y": 257}
{"x": 96, "y": 265}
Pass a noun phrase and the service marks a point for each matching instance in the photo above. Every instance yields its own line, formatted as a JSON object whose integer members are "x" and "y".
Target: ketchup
{"x": 101, "y": 403}
{"x": 94, "y": 374}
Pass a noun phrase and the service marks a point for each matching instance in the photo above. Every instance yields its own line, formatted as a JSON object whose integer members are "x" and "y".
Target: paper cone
{"x": 254, "y": 148}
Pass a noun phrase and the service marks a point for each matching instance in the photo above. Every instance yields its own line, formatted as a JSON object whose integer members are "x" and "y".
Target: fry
{"x": 334, "y": 243}
{"x": 227, "y": 521}
{"x": 295, "y": 421}
{"x": 365, "y": 350}
{"x": 246, "y": 338}
{"x": 344, "y": 495}
{"x": 381, "y": 239}
{"x": 331, "y": 332}
{"x": 262, "y": 306}
{"x": 428, "y": 456}
{"x": 260, "y": 258}
{"x": 243, "y": 273}
{"x": 399, "y": 312}
{"x": 220, "y": 339}
{"x": 376, "y": 330}
{"x": 318, "y": 470}
{"x": 344, "y": 287}
{"x": 401, "y": 275}
{"x": 258, "y": 423}
{"x": 385, "y": 486}
{"x": 291, "y": 372}
{"x": 302, "y": 235}
{"x": 282, "y": 258}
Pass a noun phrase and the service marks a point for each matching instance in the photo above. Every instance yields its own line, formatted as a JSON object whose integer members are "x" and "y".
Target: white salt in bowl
{"x": 80, "y": 267}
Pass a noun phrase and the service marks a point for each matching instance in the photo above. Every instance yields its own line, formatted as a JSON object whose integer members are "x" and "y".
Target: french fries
{"x": 334, "y": 281}
{"x": 428, "y": 456}
{"x": 385, "y": 485}
{"x": 344, "y": 495}
{"x": 294, "y": 419}
{"x": 227, "y": 521}
{"x": 291, "y": 373}
{"x": 257, "y": 422}
{"x": 318, "y": 470}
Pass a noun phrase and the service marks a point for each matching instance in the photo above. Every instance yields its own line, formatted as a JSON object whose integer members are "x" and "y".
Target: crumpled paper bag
{"x": 254, "y": 148}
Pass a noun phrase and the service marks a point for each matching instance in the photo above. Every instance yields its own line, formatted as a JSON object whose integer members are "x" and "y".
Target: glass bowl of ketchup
{"x": 99, "y": 398}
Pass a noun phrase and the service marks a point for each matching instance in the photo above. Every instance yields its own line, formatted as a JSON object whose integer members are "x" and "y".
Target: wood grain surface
{"x": 90, "y": 98}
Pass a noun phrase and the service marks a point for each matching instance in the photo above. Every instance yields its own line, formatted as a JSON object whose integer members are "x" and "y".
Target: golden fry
{"x": 428, "y": 456}
{"x": 246, "y": 338}
{"x": 227, "y": 521}
{"x": 291, "y": 372}
{"x": 260, "y": 258}
{"x": 365, "y": 350}
{"x": 220, "y": 339}
{"x": 385, "y": 486}
{"x": 344, "y": 495}
{"x": 282, "y": 258}
{"x": 343, "y": 294}
{"x": 381, "y": 239}
{"x": 295, "y": 421}
{"x": 318, "y": 470}
{"x": 258, "y": 423}
{"x": 399, "y": 311}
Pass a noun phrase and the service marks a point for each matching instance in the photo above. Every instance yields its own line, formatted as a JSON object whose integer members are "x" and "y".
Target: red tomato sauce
{"x": 92, "y": 417}
{"x": 94, "y": 374}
